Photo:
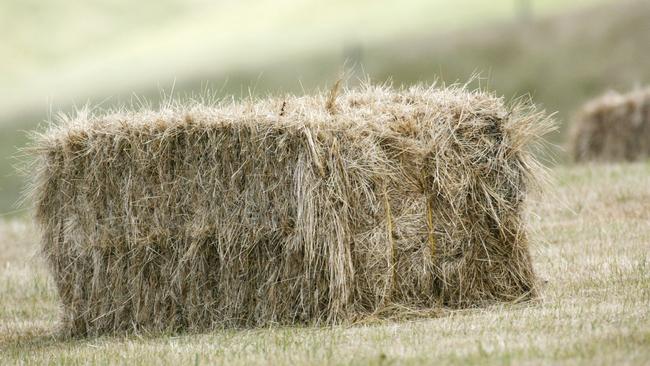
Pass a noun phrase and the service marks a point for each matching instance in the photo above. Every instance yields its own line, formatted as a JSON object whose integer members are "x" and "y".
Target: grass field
{"x": 593, "y": 249}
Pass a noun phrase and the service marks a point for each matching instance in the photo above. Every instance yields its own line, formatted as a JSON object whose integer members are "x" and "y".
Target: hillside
{"x": 62, "y": 52}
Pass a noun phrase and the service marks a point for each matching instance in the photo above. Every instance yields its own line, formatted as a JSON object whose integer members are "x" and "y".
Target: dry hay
{"x": 614, "y": 127}
{"x": 314, "y": 210}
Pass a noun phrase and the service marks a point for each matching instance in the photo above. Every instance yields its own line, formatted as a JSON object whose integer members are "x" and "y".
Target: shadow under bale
{"x": 614, "y": 127}
{"x": 311, "y": 210}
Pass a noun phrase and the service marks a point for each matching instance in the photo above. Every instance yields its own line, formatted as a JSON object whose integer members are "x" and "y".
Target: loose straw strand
{"x": 432, "y": 238}
{"x": 392, "y": 254}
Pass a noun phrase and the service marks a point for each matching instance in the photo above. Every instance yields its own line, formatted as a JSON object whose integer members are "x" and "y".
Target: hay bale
{"x": 302, "y": 210}
{"x": 614, "y": 127}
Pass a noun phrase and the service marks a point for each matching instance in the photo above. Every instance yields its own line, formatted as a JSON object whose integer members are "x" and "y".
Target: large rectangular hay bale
{"x": 309, "y": 210}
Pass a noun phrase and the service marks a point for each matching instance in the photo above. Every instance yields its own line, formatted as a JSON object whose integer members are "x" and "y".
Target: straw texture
{"x": 614, "y": 127}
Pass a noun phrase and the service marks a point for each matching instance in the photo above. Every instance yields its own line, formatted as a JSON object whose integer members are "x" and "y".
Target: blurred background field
{"x": 58, "y": 54}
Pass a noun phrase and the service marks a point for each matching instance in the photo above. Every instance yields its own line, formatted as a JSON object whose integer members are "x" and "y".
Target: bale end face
{"x": 286, "y": 211}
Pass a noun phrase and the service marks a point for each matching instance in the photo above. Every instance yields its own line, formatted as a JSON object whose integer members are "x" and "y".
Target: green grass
{"x": 72, "y": 50}
{"x": 592, "y": 235}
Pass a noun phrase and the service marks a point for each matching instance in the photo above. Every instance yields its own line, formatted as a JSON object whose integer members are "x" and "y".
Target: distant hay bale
{"x": 614, "y": 127}
{"x": 303, "y": 210}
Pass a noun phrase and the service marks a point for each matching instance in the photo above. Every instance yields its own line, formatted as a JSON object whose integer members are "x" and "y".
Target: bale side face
{"x": 614, "y": 127}
{"x": 285, "y": 211}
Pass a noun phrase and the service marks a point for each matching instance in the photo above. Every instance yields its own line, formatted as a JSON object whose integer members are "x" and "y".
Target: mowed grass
{"x": 592, "y": 246}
